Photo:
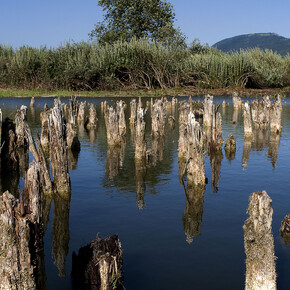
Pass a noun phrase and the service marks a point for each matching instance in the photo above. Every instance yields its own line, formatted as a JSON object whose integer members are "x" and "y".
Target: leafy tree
{"x": 127, "y": 19}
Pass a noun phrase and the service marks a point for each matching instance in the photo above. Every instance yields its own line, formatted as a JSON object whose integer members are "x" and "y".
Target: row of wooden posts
{"x": 200, "y": 130}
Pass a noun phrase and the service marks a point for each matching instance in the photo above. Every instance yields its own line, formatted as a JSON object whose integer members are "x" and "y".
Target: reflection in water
{"x": 246, "y": 150}
{"x": 115, "y": 159}
{"x": 260, "y": 139}
{"x": 216, "y": 164}
{"x": 235, "y": 115}
{"x": 274, "y": 145}
{"x": 192, "y": 216}
{"x": 140, "y": 173}
{"x": 157, "y": 149}
{"x": 60, "y": 231}
{"x": 92, "y": 135}
{"x": 73, "y": 157}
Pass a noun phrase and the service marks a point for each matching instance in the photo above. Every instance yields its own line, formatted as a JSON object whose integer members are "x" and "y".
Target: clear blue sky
{"x": 38, "y": 23}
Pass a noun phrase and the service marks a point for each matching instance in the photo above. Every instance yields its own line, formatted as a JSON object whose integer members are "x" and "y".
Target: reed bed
{"x": 138, "y": 64}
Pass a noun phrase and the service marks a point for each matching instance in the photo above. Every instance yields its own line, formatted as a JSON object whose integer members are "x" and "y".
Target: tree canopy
{"x": 127, "y": 19}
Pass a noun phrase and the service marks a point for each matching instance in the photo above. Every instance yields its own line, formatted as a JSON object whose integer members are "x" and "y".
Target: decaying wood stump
{"x": 208, "y": 111}
{"x": 158, "y": 119}
{"x": 140, "y": 151}
{"x": 73, "y": 110}
{"x": 44, "y": 137}
{"x": 98, "y": 265}
{"x": 261, "y": 113}
{"x": 58, "y": 149}
{"x": 184, "y": 110}
{"x": 237, "y": 101}
{"x": 92, "y": 120}
{"x": 230, "y": 147}
{"x": 81, "y": 113}
{"x": 32, "y": 102}
{"x": 72, "y": 139}
{"x": 114, "y": 137}
{"x": 285, "y": 229}
{"x": 21, "y": 235}
{"x": 190, "y": 151}
{"x": 20, "y": 117}
{"x": 259, "y": 243}
{"x": 247, "y": 120}
{"x": 193, "y": 212}
{"x": 133, "y": 116}
{"x": 120, "y": 106}
{"x": 216, "y": 142}
{"x": 275, "y": 116}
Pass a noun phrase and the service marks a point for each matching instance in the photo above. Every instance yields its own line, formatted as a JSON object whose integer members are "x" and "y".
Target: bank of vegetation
{"x": 139, "y": 64}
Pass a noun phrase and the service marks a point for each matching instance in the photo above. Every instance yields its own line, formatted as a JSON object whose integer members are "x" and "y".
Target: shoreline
{"x": 180, "y": 92}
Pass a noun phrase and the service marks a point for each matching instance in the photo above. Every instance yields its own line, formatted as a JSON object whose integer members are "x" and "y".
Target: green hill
{"x": 264, "y": 41}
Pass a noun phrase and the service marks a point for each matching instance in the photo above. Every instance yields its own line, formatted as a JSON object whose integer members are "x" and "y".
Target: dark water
{"x": 172, "y": 242}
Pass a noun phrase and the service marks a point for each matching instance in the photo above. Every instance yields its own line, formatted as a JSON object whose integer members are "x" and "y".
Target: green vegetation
{"x": 136, "y": 65}
{"x": 263, "y": 41}
{"x": 128, "y": 19}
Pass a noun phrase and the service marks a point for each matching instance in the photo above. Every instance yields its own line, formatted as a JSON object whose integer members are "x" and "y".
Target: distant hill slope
{"x": 272, "y": 41}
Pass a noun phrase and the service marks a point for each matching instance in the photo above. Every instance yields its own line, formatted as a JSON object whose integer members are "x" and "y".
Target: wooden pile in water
{"x": 98, "y": 265}
{"x": 259, "y": 243}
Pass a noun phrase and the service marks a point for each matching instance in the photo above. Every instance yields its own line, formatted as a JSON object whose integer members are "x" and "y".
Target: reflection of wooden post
{"x": 259, "y": 243}
{"x": 285, "y": 229}
{"x": 246, "y": 150}
{"x": 60, "y": 232}
{"x": 140, "y": 172}
{"x": 192, "y": 216}
{"x": 98, "y": 265}
{"x": 274, "y": 145}
{"x": 216, "y": 163}
{"x": 20, "y": 235}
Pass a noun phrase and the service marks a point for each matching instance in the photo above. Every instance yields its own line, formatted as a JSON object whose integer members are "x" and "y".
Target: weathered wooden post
{"x": 72, "y": 139}
{"x": 208, "y": 111}
{"x": 140, "y": 151}
{"x": 133, "y": 116}
{"x": 98, "y": 265}
{"x": 81, "y": 113}
{"x": 58, "y": 149}
{"x": 32, "y": 102}
{"x": 21, "y": 235}
{"x": 259, "y": 243}
{"x": 230, "y": 147}
{"x": 92, "y": 120}
{"x": 247, "y": 120}
{"x": 158, "y": 119}
{"x": 275, "y": 116}
{"x": 20, "y": 118}
{"x": 73, "y": 110}
{"x": 237, "y": 101}
{"x": 261, "y": 113}
{"x": 121, "y": 118}
{"x": 112, "y": 126}
{"x": 195, "y": 163}
{"x": 44, "y": 137}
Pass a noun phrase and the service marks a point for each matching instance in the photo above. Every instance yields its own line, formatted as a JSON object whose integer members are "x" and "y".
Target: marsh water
{"x": 170, "y": 239}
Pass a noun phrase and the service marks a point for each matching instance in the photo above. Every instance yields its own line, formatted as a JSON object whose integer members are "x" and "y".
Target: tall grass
{"x": 138, "y": 64}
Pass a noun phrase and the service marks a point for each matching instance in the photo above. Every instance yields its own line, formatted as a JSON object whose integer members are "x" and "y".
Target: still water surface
{"x": 169, "y": 241}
